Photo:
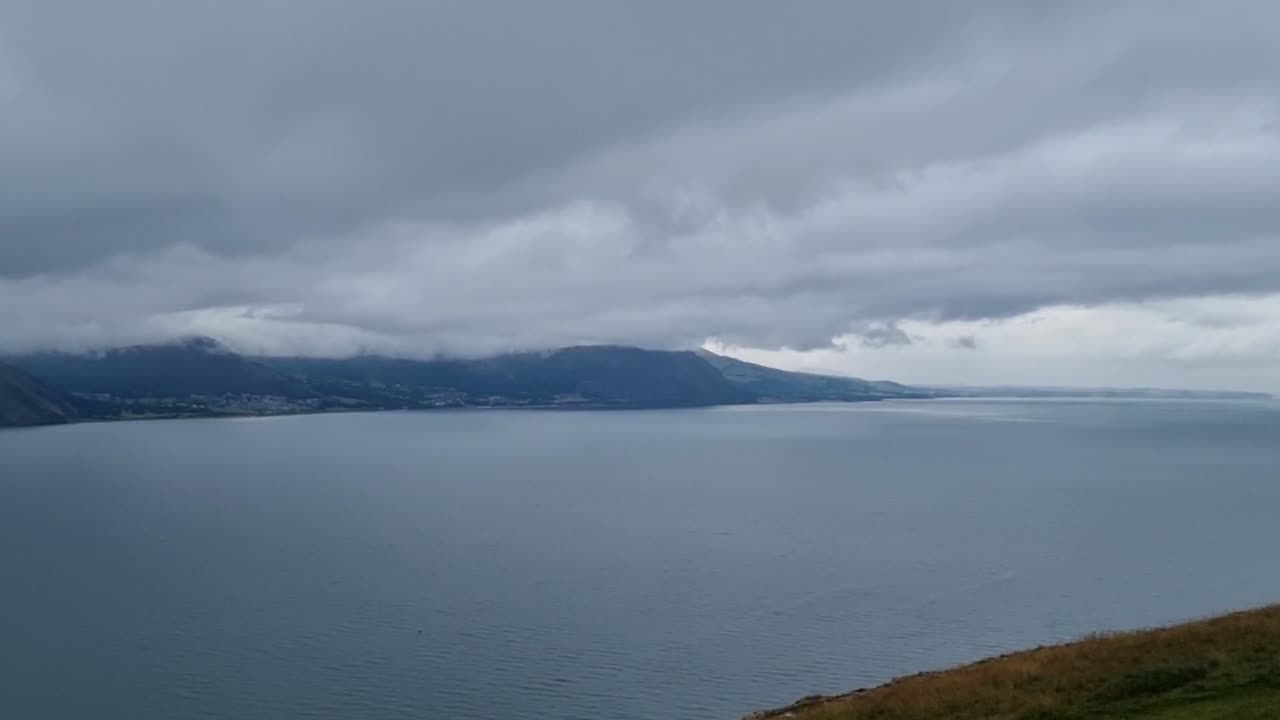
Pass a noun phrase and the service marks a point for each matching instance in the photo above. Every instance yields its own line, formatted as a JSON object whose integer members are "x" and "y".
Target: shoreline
{"x": 583, "y": 407}
{"x": 607, "y": 407}
{"x": 1224, "y": 666}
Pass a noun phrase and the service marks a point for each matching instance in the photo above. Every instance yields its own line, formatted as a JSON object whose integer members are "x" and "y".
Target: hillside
{"x": 603, "y": 376}
{"x": 26, "y": 401}
{"x": 1226, "y": 668}
{"x": 196, "y": 366}
{"x": 201, "y": 377}
{"x": 772, "y": 385}
{"x": 192, "y": 377}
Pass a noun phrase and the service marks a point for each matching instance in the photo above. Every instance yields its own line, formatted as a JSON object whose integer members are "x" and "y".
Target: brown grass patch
{"x": 1115, "y": 675}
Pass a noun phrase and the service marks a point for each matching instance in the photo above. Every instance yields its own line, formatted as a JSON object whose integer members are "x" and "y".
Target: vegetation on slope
{"x": 768, "y": 384}
{"x": 201, "y": 377}
{"x": 597, "y": 375}
{"x": 1226, "y": 667}
{"x": 26, "y": 401}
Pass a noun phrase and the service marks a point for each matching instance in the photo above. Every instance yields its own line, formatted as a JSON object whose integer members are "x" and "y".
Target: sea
{"x": 606, "y": 565}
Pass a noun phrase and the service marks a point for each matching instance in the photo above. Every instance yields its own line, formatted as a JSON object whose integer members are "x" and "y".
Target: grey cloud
{"x": 329, "y": 177}
{"x": 878, "y": 335}
{"x": 245, "y": 125}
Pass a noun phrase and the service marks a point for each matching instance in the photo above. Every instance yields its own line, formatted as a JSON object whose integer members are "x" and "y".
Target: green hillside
{"x": 772, "y": 385}
{"x": 1225, "y": 668}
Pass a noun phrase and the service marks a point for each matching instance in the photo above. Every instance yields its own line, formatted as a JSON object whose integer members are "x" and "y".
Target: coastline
{"x": 576, "y": 407}
{"x": 1227, "y": 666}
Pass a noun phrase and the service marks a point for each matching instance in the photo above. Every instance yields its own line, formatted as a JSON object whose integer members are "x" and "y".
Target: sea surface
{"x": 683, "y": 565}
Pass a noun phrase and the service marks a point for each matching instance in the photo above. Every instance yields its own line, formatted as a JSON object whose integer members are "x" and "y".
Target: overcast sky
{"x": 962, "y": 192}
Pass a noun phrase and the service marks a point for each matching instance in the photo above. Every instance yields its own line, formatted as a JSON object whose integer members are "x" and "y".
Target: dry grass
{"x": 1224, "y": 667}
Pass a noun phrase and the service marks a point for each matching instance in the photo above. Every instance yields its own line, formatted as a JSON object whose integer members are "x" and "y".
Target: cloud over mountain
{"x": 867, "y": 183}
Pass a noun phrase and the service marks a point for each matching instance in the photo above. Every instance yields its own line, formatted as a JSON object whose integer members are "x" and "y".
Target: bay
{"x": 623, "y": 565}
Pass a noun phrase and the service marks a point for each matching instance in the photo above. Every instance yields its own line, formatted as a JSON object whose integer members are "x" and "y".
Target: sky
{"x": 1000, "y": 192}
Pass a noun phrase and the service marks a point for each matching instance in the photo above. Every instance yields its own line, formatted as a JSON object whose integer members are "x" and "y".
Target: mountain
{"x": 601, "y": 376}
{"x": 195, "y": 366}
{"x": 771, "y": 385}
{"x": 202, "y": 377}
{"x": 26, "y": 401}
{"x": 195, "y": 376}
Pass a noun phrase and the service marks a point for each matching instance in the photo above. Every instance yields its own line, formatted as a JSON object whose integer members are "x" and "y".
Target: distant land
{"x": 1031, "y": 391}
{"x": 1225, "y": 668}
{"x": 201, "y": 377}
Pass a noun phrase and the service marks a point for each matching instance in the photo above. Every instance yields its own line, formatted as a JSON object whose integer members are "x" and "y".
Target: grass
{"x": 1224, "y": 667}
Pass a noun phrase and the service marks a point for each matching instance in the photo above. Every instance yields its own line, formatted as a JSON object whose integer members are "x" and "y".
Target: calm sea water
{"x": 605, "y": 565}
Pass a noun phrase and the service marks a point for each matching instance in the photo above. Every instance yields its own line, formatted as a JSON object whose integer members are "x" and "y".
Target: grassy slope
{"x": 1226, "y": 667}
